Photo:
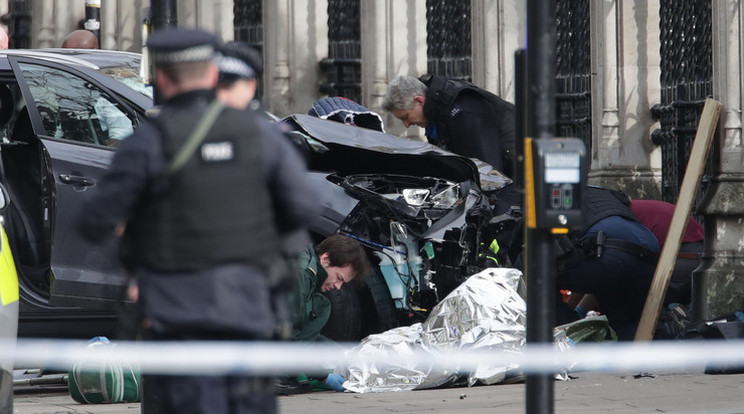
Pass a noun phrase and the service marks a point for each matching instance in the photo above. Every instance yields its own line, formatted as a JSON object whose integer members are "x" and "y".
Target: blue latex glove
{"x": 335, "y": 382}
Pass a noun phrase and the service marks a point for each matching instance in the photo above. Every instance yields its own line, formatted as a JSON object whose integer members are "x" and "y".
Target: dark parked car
{"x": 61, "y": 114}
{"x": 424, "y": 214}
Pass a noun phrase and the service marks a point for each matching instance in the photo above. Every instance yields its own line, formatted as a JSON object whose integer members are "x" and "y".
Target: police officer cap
{"x": 239, "y": 60}
{"x": 182, "y": 45}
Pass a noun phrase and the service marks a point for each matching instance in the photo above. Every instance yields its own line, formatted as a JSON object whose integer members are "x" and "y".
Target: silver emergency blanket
{"x": 485, "y": 312}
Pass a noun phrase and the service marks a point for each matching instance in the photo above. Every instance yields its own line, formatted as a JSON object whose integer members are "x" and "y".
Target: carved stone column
{"x": 718, "y": 285}
{"x": 498, "y": 30}
{"x": 121, "y": 24}
{"x": 214, "y": 15}
{"x": 625, "y": 84}
{"x": 295, "y": 40}
{"x": 52, "y": 20}
{"x": 393, "y": 37}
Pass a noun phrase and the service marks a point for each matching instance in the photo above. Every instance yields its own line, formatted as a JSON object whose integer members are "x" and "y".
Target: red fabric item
{"x": 657, "y": 216}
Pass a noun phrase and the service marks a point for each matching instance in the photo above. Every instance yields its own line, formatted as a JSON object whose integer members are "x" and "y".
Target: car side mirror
{"x": 4, "y": 199}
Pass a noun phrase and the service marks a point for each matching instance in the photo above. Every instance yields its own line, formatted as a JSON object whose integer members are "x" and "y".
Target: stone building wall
{"x": 121, "y": 20}
{"x": 624, "y": 50}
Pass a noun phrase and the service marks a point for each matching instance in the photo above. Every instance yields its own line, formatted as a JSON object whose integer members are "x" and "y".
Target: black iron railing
{"x": 343, "y": 67}
{"x": 573, "y": 71}
{"x": 248, "y": 22}
{"x": 686, "y": 73}
{"x": 448, "y": 39}
{"x": 20, "y": 24}
{"x": 248, "y": 28}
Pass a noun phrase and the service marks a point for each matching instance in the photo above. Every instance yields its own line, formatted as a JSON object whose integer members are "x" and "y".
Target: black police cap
{"x": 239, "y": 60}
{"x": 182, "y": 45}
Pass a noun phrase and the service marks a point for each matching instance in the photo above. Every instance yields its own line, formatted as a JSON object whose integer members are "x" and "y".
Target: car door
{"x": 78, "y": 121}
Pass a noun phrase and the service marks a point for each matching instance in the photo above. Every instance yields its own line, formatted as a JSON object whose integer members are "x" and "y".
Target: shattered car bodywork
{"x": 423, "y": 212}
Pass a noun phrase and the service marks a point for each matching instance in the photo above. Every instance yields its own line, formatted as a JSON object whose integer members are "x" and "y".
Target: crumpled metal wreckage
{"x": 486, "y": 312}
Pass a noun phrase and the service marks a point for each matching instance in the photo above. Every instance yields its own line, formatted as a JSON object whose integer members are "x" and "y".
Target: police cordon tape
{"x": 276, "y": 358}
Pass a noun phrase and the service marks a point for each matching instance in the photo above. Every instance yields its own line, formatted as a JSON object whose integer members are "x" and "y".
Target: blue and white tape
{"x": 271, "y": 358}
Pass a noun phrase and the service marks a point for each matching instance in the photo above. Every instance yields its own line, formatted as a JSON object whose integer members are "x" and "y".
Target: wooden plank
{"x": 690, "y": 183}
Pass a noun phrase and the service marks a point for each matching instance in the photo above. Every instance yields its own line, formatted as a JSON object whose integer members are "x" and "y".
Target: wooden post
{"x": 690, "y": 183}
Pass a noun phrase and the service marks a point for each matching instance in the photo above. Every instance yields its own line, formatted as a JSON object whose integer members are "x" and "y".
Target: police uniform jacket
{"x": 470, "y": 121}
{"x": 311, "y": 309}
{"x": 607, "y": 211}
{"x": 201, "y": 240}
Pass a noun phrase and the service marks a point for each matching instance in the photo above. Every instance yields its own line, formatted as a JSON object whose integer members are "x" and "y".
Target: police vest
{"x": 600, "y": 203}
{"x": 216, "y": 208}
{"x": 441, "y": 94}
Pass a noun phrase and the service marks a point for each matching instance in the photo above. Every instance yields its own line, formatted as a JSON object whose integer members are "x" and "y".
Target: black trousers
{"x": 618, "y": 279}
{"x": 680, "y": 285}
{"x": 205, "y": 394}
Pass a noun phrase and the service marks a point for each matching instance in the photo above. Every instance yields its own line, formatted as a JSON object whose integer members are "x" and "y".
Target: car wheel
{"x": 344, "y": 324}
{"x": 378, "y": 310}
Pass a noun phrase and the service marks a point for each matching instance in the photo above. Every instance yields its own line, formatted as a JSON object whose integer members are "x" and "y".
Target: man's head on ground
{"x": 405, "y": 98}
{"x": 80, "y": 39}
{"x": 344, "y": 259}
{"x": 239, "y": 66}
{"x": 184, "y": 60}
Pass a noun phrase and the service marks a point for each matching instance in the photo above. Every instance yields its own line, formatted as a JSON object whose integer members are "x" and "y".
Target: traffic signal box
{"x": 555, "y": 173}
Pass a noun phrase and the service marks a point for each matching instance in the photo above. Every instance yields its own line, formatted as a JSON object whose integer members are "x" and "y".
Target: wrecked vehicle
{"x": 425, "y": 215}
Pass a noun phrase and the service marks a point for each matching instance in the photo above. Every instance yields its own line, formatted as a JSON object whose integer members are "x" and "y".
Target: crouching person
{"x": 613, "y": 258}
{"x": 337, "y": 260}
{"x": 657, "y": 217}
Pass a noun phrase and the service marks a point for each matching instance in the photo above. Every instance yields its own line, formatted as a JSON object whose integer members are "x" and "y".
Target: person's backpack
{"x": 104, "y": 383}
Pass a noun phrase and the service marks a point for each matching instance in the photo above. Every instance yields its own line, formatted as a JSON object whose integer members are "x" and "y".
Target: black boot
{"x": 290, "y": 385}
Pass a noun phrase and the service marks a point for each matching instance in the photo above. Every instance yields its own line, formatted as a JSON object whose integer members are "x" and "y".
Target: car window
{"x": 73, "y": 109}
{"x": 130, "y": 77}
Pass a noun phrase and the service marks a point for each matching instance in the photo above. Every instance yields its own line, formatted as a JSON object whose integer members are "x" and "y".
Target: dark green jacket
{"x": 311, "y": 309}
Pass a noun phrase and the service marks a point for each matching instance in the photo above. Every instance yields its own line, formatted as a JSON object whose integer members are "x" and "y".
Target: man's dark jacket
{"x": 310, "y": 308}
{"x": 470, "y": 121}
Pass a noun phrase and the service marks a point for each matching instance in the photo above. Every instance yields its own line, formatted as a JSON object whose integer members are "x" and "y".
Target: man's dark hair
{"x": 343, "y": 250}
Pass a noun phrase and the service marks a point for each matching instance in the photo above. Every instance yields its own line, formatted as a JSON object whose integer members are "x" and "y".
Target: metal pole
{"x": 541, "y": 39}
{"x": 93, "y": 17}
{"x": 20, "y": 24}
{"x": 164, "y": 14}
{"x": 520, "y": 103}
{"x": 539, "y": 260}
{"x": 541, "y": 297}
